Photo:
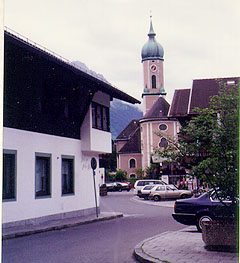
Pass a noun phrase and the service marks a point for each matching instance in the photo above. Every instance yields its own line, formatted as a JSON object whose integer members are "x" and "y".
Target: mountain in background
{"x": 121, "y": 114}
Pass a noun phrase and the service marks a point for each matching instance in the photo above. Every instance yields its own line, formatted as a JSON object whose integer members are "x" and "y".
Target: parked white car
{"x": 159, "y": 192}
{"x": 139, "y": 184}
{"x": 145, "y": 191}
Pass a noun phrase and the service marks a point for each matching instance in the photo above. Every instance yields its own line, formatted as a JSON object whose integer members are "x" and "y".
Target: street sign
{"x": 94, "y": 166}
{"x": 93, "y": 163}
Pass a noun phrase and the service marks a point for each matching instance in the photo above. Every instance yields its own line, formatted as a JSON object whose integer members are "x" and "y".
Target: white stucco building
{"x": 56, "y": 118}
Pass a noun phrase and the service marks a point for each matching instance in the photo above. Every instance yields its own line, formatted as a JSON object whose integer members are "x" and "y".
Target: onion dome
{"x": 152, "y": 49}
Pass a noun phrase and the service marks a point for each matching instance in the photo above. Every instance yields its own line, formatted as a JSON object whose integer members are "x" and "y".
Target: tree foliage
{"x": 121, "y": 175}
{"x": 139, "y": 172}
{"x": 208, "y": 144}
{"x": 152, "y": 172}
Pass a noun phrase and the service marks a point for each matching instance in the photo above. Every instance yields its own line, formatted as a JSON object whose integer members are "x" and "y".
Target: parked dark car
{"x": 195, "y": 211}
{"x": 129, "y": 183}
{"x": 112, "y": 187}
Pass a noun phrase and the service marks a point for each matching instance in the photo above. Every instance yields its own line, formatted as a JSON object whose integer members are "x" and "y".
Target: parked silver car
{"x": 139, "y": 184}
{"x": 159, "y": 192}
{"x": 145, "y": 191}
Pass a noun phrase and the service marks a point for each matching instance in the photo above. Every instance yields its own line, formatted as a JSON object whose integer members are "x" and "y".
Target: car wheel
{"x": 120, "y": 190}
{"x": 203, "y": 218}
{"x": 156, "y": 198}
{"x": 184, "y": 196}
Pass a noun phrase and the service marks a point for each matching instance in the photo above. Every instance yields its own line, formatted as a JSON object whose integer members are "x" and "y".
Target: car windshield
{"x": 148, "y": 187}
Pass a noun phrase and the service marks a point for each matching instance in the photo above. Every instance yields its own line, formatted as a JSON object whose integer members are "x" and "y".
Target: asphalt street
{"x": 110, "y": 241}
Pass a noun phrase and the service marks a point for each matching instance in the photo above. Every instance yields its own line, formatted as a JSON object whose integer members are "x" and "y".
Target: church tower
{"x": 152, "y": 59}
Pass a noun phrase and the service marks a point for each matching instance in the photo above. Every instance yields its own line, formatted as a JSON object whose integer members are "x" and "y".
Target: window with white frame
{"x": 43, "y": 175}
{"x": 163, "y": 143}
{"x": 132, "y": 163}
{"x": 67, "y": 175}
{"x": 163, "y": 127}
{"x": 9, "y": 175}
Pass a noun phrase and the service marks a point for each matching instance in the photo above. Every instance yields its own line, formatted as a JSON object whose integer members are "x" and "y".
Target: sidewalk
{"x": 183, "y": 246}
{"x": 24, "y": 230}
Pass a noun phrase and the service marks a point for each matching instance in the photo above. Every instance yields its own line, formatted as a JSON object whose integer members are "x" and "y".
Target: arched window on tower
{"x": 153, "y": 82}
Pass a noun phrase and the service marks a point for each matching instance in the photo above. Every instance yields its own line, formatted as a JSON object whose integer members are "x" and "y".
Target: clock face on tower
{"x": 153, "y": 67}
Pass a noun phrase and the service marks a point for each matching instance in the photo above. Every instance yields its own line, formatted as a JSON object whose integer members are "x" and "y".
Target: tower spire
{"x": 152, "y": 59}
{"x": 151, "y": 31}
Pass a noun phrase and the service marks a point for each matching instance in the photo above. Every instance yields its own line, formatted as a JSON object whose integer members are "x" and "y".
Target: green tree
{"x": 109, "y": 176}
{"x": 121, "y": 175}
{"x": 139, "y": 173}
{"x": 152, "y": 171}
{"x": 208, "y": 144}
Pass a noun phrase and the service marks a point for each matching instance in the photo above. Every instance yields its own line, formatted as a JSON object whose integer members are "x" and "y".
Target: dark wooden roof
{"x": 44, "y": 93}
{"x": 158, "y": 110}
{"x": 185, "y": 100}
{"x": 128, "y": 131}
{"x": 101, "y": 85}
{"x": 179, "y": 104}
{"x": 134, "y": 143}
{"x": 203, "y": 89}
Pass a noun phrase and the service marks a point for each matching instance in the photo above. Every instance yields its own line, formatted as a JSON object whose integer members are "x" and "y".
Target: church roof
{"x": 179, "y": 104}
{"x": 158, "y": 110}
{"x": 134, "y": 143}
{"x": 129, "y": 130}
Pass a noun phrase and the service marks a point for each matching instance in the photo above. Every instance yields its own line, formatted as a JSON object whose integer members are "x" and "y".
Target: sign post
{"x": 94, "y": 166}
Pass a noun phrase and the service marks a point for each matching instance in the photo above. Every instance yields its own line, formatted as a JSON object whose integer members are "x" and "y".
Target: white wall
{"x": 95, "y": 140}
{"x": 101, "y": 141}
{"x": 26, "y": 206}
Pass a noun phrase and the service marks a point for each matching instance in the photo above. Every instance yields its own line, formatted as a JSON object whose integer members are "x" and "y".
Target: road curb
{"x": 46, "y": 228}
{"x": 142, "y": 257}
{"x": 151, "y": 202}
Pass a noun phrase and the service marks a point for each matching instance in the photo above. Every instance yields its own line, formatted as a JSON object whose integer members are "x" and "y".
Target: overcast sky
{"x": 201, "y": 38}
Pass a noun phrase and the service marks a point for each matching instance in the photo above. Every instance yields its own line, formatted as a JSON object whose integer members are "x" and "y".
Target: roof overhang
{"x": 100, "y": 84}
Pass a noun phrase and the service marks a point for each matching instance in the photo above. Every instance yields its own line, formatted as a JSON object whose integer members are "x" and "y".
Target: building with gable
{"x": 136, "y": 143}
{"x": 56, "y": 118}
